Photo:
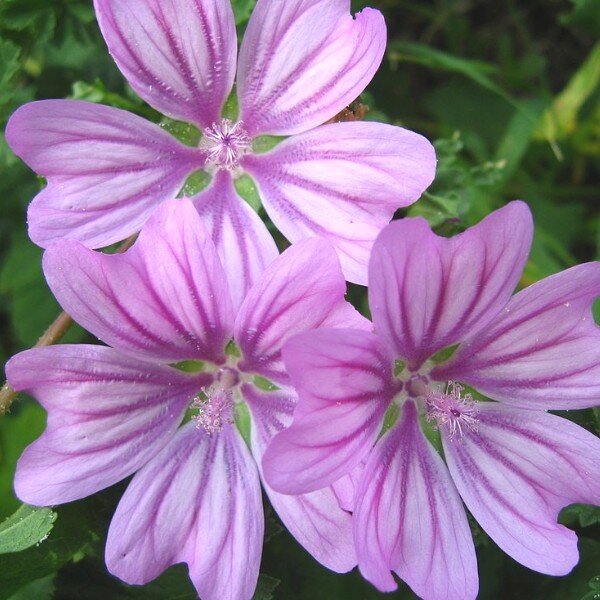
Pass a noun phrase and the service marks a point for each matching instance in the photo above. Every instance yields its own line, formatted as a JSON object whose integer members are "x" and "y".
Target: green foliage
{"x": 265, "y": 590}
{"x": 78, "y": 531}
{"x": 26, "y": 527}
{"x": 17, "y": 430}
{"x": 510, "y": 91}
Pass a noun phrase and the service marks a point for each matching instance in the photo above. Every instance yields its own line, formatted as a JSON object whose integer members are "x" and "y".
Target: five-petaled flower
{"x": 366, "y": 396}
{"x": 165, "y": 310}
{"x": 301, "y": 62}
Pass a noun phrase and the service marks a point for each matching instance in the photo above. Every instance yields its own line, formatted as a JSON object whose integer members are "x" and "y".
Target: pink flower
{"x": 513, "y": 464}
{"x": 117, "y": 410}
{"x": 300, "y": 63}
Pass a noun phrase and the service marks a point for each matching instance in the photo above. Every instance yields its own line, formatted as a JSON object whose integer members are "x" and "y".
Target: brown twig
{"x": 51, "y": 336}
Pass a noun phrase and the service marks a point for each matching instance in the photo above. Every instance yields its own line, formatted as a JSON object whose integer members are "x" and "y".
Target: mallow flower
{"x": 300, "y": 63}
{"x": 455, "y": 355}
{"x": 177, "y": 347}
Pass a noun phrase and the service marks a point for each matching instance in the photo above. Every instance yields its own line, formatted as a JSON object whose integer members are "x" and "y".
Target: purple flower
{"x": 300, "y": 63}
{"x": 116, "y": 410}
{"x": 513, "y": 464}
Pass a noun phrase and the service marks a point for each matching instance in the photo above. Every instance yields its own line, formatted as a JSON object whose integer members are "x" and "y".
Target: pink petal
{"x": 543, "y": 350}
{"x": 345, "y": 488}
{"x": 316, "y": 519}
{"x": 198, "y": 501}
{"x": 164, "y": 299}
{"x": 108, "y": 414}
{"x": 303, "y": 289}
{"x": 178, "y": 55}
{"x": 107, "y": 169}
{"x": 516, "y": 472}
{"x": 409, "y": 519}
{"x": 243, "y": 242}
{"x": 303, "y": 61}
{"x": 344, "y": 182}
{"x": 344, "y": 380}
{"x": 428, "y": 292}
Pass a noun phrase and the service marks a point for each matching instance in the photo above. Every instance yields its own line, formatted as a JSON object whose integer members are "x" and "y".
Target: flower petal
{"x": 316, "y": 520}
{"x": 343, "y": 182}
{"x": 344, "y": 380}
{"x": 543, "y": 350}
{"x": 178, "y": 55}
{"x": 428, "y": 292}
{"x": 303, "y": 289}
{"x": 164, "y": 299}
{"x": 409, "y": 518}
{"x": 107, "y": 169}
{"x": 303, "y": 61}
{"x": 198, "y": 501}
{"x": 108, "y": 414}
{"x": 243, "y": 242}
{"x": 516, "y": 472}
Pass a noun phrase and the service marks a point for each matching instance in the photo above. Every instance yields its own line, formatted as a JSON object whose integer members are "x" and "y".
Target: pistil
{"x": 452, "y": 410}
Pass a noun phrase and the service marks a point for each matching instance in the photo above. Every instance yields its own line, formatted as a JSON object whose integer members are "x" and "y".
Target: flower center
{"x": 452, "y": 410}
{"x": 216, "y": 403}
{"x": 225, "y": 143}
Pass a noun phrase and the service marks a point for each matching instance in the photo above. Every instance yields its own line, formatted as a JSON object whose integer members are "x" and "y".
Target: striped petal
{"x": 303, "y": 289}
{"x": 243, "y": 242}
{"x": 303, "y": 61}
{"x": 344, "y": 381}
{"x": 165, "y": 299}
{"x": 316, "y": 520}
{"x": 107, "y": 169}
{"x": 543, "y": 350}
{"x": 178, "y": 55}
{"x": 197, "y": 502}
{"x": 108, "y": 414}
{"x": 343, "y": 182}
{"x": 516, "y": 471}
{"x": 427, "y": 292}
{"x": 409, "y": 519}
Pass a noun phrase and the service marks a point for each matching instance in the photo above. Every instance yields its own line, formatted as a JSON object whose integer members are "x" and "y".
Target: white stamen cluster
{"x": 452, "y": 410}
{"x": 215, "y": 409}
{"x": 225, "y": 143}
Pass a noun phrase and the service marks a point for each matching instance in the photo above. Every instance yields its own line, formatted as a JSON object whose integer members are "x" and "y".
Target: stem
{"x": 51, "y": 336}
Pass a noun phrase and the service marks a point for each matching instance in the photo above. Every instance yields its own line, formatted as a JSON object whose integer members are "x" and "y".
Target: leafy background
{"x": 510, "y": 92}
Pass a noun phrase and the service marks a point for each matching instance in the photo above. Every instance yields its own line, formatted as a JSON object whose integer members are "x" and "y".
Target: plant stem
{"x": 51, "y": 336}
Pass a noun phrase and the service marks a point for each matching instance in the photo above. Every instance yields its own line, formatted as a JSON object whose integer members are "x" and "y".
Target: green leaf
{"x": 576, "y": 585}
{"x": 560, "y": 120}
{"x": 40, "y": 589}
{"x": 475, "y": 70}
{"x": 585, "y": 15}
{"x": 31, "y": 306}
{"x": 266, "y": 587}
{"x": 79, "y": 530}
{"x": 584, "y": 515}
{"x": 17, "y": 430}
{"x": 27, "y": 527}
{"x": 9, "y": 62}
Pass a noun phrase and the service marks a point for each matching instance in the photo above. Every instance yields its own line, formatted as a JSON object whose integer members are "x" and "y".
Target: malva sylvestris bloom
{"x": 117, "y": 410}
{"x": 300, "y": 63}
{"x": 513, "y": 464}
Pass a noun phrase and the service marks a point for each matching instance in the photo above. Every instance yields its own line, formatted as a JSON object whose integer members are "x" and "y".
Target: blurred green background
{"x": 510, "y": 93}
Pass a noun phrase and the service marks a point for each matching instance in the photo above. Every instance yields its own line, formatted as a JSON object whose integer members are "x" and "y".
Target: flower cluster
{"x": 228, "y": 367}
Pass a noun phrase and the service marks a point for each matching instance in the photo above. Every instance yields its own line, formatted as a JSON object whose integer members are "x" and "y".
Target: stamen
{"x": 225, "y": 143}
{"x": 215, "y": 410}
{"x": 453, "y": 411}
